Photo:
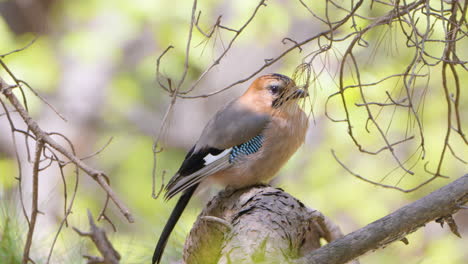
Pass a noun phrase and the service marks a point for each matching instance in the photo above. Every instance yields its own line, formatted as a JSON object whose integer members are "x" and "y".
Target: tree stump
{"x": 258, "y": 224}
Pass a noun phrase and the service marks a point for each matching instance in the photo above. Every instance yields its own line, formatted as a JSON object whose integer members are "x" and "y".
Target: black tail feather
{"x": 171, "y": 222}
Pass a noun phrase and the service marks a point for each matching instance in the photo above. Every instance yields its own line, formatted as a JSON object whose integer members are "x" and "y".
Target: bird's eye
{"x": 274, "y": 89}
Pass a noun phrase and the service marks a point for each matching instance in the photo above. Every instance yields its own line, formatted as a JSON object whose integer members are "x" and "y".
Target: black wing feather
{"x": 192, "y": 163}
{"x": 195, "y": 161}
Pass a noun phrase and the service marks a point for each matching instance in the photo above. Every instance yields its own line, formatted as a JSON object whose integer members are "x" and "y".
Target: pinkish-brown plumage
{"x": 245, "y": 143}
{"x": 283, "y": 135}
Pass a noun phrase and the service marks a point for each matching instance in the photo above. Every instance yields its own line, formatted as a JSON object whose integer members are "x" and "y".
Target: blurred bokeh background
{"x": 95, "y": 62}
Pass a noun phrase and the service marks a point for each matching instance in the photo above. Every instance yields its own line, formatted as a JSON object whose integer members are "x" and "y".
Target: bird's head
{"x": 275, "y": 91}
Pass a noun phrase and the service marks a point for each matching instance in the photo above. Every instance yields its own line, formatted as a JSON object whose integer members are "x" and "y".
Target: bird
{"x": 245, "y": 143}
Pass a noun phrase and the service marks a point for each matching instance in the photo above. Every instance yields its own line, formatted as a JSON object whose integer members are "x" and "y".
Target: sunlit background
{"x": 95, "y": 62}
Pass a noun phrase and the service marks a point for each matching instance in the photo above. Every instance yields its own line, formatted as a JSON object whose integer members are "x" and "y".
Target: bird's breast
{"x": 281, "y": 138}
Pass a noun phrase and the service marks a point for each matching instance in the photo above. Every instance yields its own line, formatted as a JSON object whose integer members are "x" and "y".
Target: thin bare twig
{"x": 20, "y": 49}
{"x": 174, "y": 98}
{"x": 377, "y": 183}
{"x": 34, "y": 201}
{"x": 275, "y": 59}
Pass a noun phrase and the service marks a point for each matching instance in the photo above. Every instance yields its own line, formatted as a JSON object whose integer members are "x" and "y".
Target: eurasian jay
{"x": 245, "y": 143}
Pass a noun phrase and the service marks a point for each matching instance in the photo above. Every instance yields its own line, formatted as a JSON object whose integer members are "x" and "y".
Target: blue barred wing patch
{"x": 246, "y": 148}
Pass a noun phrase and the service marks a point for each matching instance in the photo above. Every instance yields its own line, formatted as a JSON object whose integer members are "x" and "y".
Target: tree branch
{"x": 439, "y": 204}
{"x": 99, "y": 237}
{"x": 261, "y": 224}
{"x": 34, "y": 201}
{"x": 257, "y": 224}
{"x": 98, "y": 176}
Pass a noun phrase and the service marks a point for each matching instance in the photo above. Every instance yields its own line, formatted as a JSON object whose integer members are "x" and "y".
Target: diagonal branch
{"x": 440, "y": 204}
{"x": 98, "y": 176}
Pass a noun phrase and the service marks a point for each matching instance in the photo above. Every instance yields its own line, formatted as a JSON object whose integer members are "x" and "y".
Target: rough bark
{"x": 261, "y": 224}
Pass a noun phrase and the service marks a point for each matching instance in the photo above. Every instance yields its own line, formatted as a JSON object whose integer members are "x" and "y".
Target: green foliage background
{"x": 95, "y": 31}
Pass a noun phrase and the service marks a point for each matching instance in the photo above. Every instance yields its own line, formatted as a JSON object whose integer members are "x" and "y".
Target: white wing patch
{"x": 211, "y": 158}
{"x": 218, "y": 163}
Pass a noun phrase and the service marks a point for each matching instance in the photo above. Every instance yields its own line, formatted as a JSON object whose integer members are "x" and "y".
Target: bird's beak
{"x": 300, "y": 93}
